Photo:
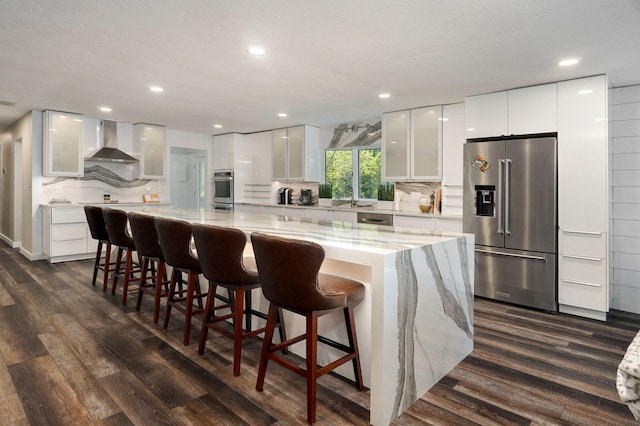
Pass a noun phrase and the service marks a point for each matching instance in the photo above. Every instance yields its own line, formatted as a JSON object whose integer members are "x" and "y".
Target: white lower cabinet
{"x": 446, "y": 224}
{"x": 582, "y": 273}
{"x": 66, "y": 234}
{"x": 414, "y": 222}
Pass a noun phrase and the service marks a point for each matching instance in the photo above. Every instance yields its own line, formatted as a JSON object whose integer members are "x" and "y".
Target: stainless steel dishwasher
{"x": 375, "y": 218}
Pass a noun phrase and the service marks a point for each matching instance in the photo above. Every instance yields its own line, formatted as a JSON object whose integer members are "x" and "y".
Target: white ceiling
{"x": 327, "y": 60}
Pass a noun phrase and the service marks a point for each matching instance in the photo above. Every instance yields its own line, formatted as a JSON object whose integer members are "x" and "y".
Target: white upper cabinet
{"x": 151, "y": 140}
{"x": 486, "y": 115}
{"x": 513, "y": 112}
{"x": 224, "y": 151}
{"x": 395, "y": 145}
{"x": 533, "y": 109}
{"x": 295, "y": 153}
{"x": 63, "y": 144}
{"x": 412, "y": 144}
{"x": 583, "y": 154}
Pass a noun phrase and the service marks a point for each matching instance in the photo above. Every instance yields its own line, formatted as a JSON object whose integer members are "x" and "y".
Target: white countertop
{"x": 357, "y": 209}
{"x": 120, "y": 203}
{"x": 330, "y": 234}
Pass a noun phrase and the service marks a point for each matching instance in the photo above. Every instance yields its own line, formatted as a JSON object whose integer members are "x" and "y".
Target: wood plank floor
{"x": 70, "y": 354}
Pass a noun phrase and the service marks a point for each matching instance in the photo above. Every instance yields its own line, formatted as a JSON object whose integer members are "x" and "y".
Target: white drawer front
{"x": 582, "y": 269}
{"x": 68, "y": 239}
{"x": 449, "y": 225}
{"x": 582, "y": 295}
{"x": 68, "y": 215}
{"x": 583, "y": 244}
{"x": 583, "y": 282}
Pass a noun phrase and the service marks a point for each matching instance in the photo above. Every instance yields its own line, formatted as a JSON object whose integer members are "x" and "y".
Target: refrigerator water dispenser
{"x": 485, "y": 200}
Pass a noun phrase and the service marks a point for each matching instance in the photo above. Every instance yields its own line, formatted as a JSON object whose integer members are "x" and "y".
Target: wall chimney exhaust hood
{"x": 109, "y": 150}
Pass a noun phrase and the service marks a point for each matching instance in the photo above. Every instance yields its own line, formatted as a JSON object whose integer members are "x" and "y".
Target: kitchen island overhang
{"x": 416, "y": 321}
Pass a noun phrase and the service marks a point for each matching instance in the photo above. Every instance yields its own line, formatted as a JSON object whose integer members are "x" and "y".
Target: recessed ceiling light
{"x": 257, "y": 50}
{"x": 384, "y": 95}
{"x": 105, "y": 109}
{"x": 568, "y": 62}
{"x": 218, "y": 126}
{"x": 585, "y": 92}
{"x": 282, "y": 114}
{"x": 156, "y": 89}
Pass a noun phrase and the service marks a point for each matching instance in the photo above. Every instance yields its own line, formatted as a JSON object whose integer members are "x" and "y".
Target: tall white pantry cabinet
{"x": 583, "y": 281}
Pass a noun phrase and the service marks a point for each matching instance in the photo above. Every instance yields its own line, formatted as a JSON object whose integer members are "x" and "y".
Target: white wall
{"x": 624, "y": 228}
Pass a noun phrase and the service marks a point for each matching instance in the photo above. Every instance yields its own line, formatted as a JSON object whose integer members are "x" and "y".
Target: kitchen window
{"x": 353, "y": 172}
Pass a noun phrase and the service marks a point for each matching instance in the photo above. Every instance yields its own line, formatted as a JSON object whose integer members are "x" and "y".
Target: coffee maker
{"x": 284, "y": 195}
{"x": 306, "y": 198}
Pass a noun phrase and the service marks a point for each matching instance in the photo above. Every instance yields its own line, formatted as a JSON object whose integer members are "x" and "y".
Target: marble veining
{"x": 104, "y": 175}
{"x": 407, "y": 308}
{"x": 450, "y": 302}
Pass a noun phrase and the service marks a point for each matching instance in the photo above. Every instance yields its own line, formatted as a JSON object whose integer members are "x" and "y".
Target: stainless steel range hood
{"x": 109, "y": 150}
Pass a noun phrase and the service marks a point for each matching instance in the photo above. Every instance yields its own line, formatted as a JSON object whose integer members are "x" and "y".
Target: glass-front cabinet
{"x": 295, "y": 153}
{"x": 63, "y": 144}
{"x": 412, "y": 144}
{"x": 152, "y": 150}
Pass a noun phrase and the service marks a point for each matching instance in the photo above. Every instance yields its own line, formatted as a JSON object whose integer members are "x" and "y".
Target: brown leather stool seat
{"x": 175, "y": 240}
{"x": 98, "y": 230}
{"x": 145, "y": 239}
{"x": 289, "y": 272}
{"x": 220, "y": 251}
{"x": 116, "y": 222}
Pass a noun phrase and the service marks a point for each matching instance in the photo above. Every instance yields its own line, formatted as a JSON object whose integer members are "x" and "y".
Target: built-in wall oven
{"x": 223, "y": 189}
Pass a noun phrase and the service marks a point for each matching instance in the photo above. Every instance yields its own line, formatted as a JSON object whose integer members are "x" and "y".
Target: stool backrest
{"x": 220, "y": 251}
{"x": 144, "y": 234}
{"x": 174, "y": 237}
{"x": 95, "y": 220}
{"x": 116, "y": 222}
{"x": 288, "y": 272}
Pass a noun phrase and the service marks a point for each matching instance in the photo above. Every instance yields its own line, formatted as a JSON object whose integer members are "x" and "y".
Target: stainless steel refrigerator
{"x": 510, "y": 204}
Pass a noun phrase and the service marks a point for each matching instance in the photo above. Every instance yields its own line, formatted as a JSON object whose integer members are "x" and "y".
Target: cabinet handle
{"x": 68, "y": 239}
{"x": 523, "y": 256}
{"x": 595, "y": 259}
{"x": 582, "y": 283}
{"x": 571, "y": 231}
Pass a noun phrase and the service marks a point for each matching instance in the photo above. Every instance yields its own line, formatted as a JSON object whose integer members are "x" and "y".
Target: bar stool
{"x": 220, "y": 251}
{"x": 145, "y": 239}
{"x": 116, "y": 222}
{"x": 98, "y": 230}
{"x": 289, "y": 272}
{"x": 174, "y": 237}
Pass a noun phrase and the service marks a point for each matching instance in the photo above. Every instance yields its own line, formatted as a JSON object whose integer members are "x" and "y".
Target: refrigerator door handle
{"x": 507, "y": 190}
{"x": 523, "y": 256}
{"x": 499, "y": 209}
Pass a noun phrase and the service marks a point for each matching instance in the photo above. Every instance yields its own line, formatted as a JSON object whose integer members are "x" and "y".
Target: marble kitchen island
{"x": 416, "y": 321}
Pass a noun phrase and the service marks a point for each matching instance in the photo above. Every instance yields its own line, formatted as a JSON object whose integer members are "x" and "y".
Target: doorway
{"x": 17, "y": 193}
{"x": 188, "y": 178}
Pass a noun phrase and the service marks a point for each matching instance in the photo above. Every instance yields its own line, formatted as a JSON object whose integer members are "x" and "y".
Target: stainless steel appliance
{"x": 306, "y": 198}
{"x": 510, "y": 204}
{"x": 223, "y": 189}
{"x": 284, "y": 195}
{"x": 375, "y": 218}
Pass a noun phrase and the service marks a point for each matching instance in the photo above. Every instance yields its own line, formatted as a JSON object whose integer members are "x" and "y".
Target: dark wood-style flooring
{"x": 70, "y": 354}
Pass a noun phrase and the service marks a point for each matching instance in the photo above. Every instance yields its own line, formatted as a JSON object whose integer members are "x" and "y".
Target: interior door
{"x": 530, "y": 194}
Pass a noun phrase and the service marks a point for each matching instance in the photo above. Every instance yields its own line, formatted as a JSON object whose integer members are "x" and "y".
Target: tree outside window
{"x": 340, "y": 166}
